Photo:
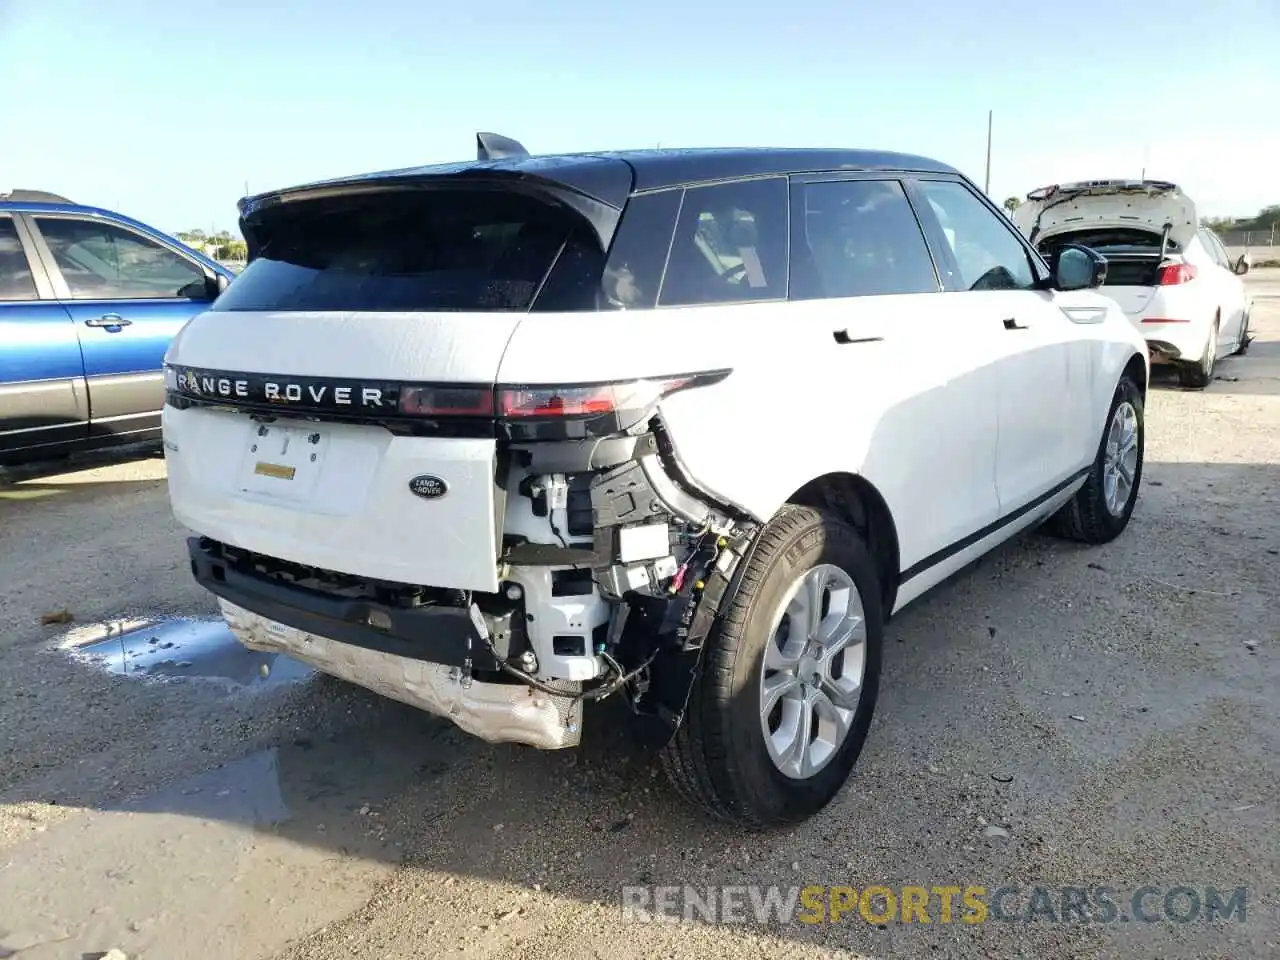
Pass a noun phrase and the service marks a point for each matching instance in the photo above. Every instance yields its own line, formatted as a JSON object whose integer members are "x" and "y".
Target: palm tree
{"x": 1011, "y": 204}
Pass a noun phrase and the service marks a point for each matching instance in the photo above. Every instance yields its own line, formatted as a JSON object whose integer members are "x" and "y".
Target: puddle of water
{"x": 180, "y": 647}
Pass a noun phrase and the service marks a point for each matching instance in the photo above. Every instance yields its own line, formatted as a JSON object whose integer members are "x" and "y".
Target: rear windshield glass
{"x": 430, "y": 250}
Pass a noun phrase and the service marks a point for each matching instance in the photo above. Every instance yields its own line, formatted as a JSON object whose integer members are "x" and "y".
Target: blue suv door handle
{"x": 112, "y": 321}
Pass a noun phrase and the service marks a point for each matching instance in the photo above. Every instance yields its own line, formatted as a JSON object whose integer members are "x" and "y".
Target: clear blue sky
{"x": 165, "y": 109}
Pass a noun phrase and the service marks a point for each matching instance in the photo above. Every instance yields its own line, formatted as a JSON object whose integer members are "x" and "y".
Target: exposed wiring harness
{"x": 620, "y": 679}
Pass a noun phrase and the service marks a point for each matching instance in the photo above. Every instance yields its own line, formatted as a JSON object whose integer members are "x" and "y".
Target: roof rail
{"x": 32, "y": 196}
{"x": 494, "y": 146}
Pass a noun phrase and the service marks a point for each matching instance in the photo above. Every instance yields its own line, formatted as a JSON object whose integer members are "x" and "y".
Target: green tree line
{"x": 221, "y": 245}
{"x": 1268, "y": 218}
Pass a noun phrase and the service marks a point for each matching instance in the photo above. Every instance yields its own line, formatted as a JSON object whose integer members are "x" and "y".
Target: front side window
{"x": 857, "y": 238}
{"x": 730, "y": 245}
{"x": 16, "y": 281}
{"x": 987, "y": 254}
{"x": 100, "y": 261}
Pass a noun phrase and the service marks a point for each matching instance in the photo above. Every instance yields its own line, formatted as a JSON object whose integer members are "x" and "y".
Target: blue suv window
{"x": 16, "y": 282}
{"x": 100, "y": 261}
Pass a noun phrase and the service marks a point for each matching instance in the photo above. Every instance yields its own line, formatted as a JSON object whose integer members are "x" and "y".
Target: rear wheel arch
{"x": 719, "y": 757}
{"x": 1136, "y": 370}
{"x": 854, "y": 499}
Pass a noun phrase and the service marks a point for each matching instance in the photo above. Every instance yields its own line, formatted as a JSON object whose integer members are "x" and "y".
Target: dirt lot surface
{"x": 1056, "y": 716}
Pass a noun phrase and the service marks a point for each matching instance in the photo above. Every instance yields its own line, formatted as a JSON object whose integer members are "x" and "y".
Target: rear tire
{"x": 722, "y": 758}
{"x": 1198, "y": 374}
{"x": 1101, "y": 509}
{"x": 1245, "y": 338}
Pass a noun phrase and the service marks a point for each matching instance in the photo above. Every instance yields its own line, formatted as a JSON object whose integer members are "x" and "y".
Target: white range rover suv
{"x": 506, "y": 437}
{"x": 1172, "y": 276}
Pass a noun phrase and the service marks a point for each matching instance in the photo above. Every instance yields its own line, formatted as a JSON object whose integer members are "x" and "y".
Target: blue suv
{"x": 89, "y": 301}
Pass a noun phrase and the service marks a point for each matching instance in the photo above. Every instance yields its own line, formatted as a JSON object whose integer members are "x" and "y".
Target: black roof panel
{"x": 656, "y": 169}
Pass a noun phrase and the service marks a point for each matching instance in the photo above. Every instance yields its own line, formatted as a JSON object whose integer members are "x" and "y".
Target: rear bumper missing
{"x": 437, "y": 633}
{"x": 496, "y": 712}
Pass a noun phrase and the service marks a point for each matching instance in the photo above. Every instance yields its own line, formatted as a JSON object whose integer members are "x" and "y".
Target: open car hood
{"x": 1144, "y": 204}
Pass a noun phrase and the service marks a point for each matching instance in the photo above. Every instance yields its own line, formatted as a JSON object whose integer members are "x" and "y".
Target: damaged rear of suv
{"x": 500, "y": 439}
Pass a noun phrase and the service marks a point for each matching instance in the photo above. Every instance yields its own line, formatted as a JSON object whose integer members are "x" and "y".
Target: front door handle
{"x": 108, "y": 320}
{"x": 842, "y": 336}
{"x": 1011, "y": 323}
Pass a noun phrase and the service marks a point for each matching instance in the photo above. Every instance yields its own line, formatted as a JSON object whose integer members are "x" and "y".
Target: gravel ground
{"x": 1055, "y": 716}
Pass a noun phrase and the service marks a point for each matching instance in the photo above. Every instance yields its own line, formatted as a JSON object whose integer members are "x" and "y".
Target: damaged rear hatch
{"x": 337, "y": 402}
{"x": 1139, "y": 226}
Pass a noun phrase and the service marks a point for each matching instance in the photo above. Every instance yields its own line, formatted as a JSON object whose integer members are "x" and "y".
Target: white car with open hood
{"x": 1170, "y": 275}
{"x": 503, "y": 438}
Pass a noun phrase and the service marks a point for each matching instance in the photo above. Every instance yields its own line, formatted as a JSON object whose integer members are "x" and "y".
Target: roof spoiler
{"x": 494, "y": 146}
{"x": 32, "y": 196}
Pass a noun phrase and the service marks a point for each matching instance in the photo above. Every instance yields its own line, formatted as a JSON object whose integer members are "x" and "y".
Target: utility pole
{"x": 1145, "y": 148}
{"x": 987, "y": 185}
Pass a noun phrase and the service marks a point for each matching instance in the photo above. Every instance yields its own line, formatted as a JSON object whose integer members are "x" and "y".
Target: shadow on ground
{"x": 1043, "y": 689}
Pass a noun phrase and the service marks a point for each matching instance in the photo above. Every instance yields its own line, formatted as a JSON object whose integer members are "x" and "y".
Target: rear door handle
{"x": 1011, "y": 323}
{"x": 842, "y": 336}
{"x": 108, "y": 320}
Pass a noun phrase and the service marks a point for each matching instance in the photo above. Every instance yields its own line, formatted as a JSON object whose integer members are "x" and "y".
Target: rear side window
{"x": 427, "y": 250}
{"x": 730, "y": 245}
{"x": 639, "y": 252}
{"x": 16, "y": 282}
{"x": 857, "y": 238}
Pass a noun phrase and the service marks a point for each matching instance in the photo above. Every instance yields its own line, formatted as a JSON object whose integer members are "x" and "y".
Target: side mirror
{"x": 1077, "y": 267}
{"x": 214, "y": 285}
{"x": 1242, "y": 265}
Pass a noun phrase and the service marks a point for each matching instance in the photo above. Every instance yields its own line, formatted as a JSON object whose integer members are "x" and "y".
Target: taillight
{"x": 1175, "y": 273}
{"x": 587, "y": 401}
{"x": 446, "y": 401}
{"x": 517, "y": 402}
{"x": 542, "y": 412}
